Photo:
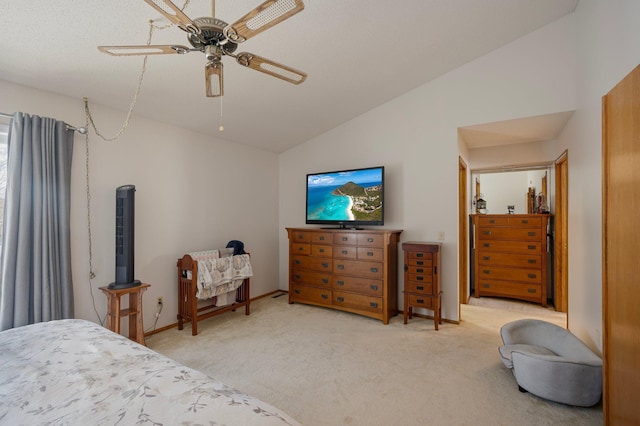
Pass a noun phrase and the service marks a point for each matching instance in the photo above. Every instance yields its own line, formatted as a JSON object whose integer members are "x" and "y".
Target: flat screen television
{"x": 346, "y": 198}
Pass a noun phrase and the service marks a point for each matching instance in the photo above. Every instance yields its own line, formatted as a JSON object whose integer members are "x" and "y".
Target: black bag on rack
{"x": 238, "y": 247}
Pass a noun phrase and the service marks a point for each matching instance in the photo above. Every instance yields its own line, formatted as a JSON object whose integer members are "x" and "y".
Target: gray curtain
{"x": 35, "y": 264}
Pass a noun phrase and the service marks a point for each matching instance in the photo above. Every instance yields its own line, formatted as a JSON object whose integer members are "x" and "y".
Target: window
{"x": 4, "y": 133}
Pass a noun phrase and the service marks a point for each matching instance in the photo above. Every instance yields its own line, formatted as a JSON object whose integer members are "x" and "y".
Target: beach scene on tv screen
{"x": 345, "y": 196}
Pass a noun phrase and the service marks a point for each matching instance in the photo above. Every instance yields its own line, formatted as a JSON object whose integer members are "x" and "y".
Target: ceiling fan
{"x": 215, "y": 38}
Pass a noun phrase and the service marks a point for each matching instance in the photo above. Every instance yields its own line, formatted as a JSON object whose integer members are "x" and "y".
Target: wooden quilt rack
{"x": 188, "y": 309}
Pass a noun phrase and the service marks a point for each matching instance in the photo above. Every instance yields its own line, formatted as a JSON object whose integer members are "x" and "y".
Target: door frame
{"x": 463, "y": 236}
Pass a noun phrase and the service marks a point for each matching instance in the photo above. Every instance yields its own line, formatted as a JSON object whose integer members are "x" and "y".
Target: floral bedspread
{"x": 75, "y": 372}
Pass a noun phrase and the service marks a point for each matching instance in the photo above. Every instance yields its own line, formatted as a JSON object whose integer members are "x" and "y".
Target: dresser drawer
{"x": 317, "y": 279}
{"x": 493, "y": 221}
{"x": 509, "y": 289}
{"x": 509, "y": 259}
{"x": 359, "y": 268}
{"x": 418, "y": 255}
{"x": 533, "y": 247}
{"x": 321, "y": 237}
{"x": 345, "y": 252}
{"x": 358, "y": 285}
{"x": 519, "y": 234}
{"x": 421, "y": 270}
{"x": 370, "y": 253}
{"x": 302, "y": 293}
{"x": 370, "y": 240}
{"x": 510, "y": 274}
{"x": 321, "y": 251}
{"x": 420, "y": 278}
{"x": 524, "y": 222}
{"x": 300, "y": 237}
{"x": 420, "y": 301}
{"x": 314, "y": 263}
{"x": 421, "y": 288}
{"x": 345, "y": 238}
{"x": 427, "y": 263}
{"x": 301, "y": 248}
{"x": 357, "y": 301}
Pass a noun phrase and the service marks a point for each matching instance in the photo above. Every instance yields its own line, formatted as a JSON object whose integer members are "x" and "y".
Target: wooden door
{"x": 561, "y": 236}
{"x": 620, "y": 249}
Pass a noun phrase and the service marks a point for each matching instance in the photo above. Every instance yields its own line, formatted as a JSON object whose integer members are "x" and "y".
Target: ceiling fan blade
{"x": 265, "y": 16}
{"x": 175, "y": 15}
{"x": 213, "y": 79}
{"x": 272, "y": 68}
{"x": 143, "y": 50}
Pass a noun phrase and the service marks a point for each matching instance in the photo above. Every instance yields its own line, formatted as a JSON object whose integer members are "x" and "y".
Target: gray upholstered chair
{"x": 550, "y": 362}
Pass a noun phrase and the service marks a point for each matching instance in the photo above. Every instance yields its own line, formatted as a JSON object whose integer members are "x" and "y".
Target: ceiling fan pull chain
{"x": 221, "y": 127}
{"x": 135, "y": 96}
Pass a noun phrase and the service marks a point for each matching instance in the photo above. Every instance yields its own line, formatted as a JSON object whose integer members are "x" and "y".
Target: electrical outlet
{"x": 160, "y": 301}
{"x": 441, "y": 235}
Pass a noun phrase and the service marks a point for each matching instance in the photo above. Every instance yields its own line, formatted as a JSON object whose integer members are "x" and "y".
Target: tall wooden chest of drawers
{"x": 350, "y": 270}
{"x": 422, "y": 279}
{"x": 510, "y": 256}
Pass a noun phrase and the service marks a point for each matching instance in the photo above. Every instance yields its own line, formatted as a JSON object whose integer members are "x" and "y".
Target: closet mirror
{"x": 513, "y": 190}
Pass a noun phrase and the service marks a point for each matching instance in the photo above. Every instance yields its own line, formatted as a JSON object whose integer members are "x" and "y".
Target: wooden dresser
{"x": 422, "y": 279}
{"x": 510, "y": 256}
{"x": 350, "y": 270}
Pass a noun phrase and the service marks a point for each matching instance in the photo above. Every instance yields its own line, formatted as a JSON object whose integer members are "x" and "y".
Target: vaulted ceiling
{"x": 357, "y": 54}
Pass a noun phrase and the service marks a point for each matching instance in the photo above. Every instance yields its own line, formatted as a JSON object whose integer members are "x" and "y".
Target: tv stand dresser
{"x": 350, "y": 270}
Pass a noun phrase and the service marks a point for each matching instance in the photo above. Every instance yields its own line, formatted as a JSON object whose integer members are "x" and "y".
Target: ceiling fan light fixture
{"x": 213, "y": 79}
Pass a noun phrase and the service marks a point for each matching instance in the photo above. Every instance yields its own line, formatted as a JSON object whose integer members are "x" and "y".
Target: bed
{"x": 77, "y": 372}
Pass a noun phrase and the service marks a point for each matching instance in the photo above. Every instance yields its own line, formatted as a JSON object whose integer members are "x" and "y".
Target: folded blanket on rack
{"x": 220, "y": 276}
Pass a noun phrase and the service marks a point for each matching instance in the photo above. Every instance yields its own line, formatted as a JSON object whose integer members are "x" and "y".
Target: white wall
{"x": 608, "y": 49}
{"x": 193, "y": 192}
{"x": 415, "y": 138}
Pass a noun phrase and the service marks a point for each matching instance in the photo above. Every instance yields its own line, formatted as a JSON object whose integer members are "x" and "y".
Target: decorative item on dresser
{"x": 510, "y": 256}
{"x": 349, "y": 270}
{"x": 422, "y": 279}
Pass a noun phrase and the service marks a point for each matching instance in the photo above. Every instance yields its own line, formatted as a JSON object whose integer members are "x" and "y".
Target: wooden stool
{"x": 134, "y": 311}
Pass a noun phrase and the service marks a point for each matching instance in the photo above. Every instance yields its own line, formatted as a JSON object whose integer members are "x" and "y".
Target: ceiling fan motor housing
{"x": 211, "y": 34}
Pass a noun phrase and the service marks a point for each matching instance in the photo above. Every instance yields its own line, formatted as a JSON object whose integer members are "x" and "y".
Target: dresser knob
{"x": 370, "y": 240}
{"x": 369, "y": 253}
{"x": 340, "y": 282}
{"x": 340, "y": 299}
{"x": 296, "y": 291}
{"x": 420, "y": 287}
{"x": 340, "y": 266}
{"x": 325, "y": 280}
{"x": 324, "y": 296}
{"x": 373, "y": 304}
{"x": 374, "y": 269}
{"x": 325, "y": 265}
{"x": 373, "y": 287}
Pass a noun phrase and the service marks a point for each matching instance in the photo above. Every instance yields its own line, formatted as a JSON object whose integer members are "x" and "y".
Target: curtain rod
{"x": 81, "y": 130}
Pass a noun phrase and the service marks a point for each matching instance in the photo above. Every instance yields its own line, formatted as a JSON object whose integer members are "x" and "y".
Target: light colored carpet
{"x": 326, "y": 367}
